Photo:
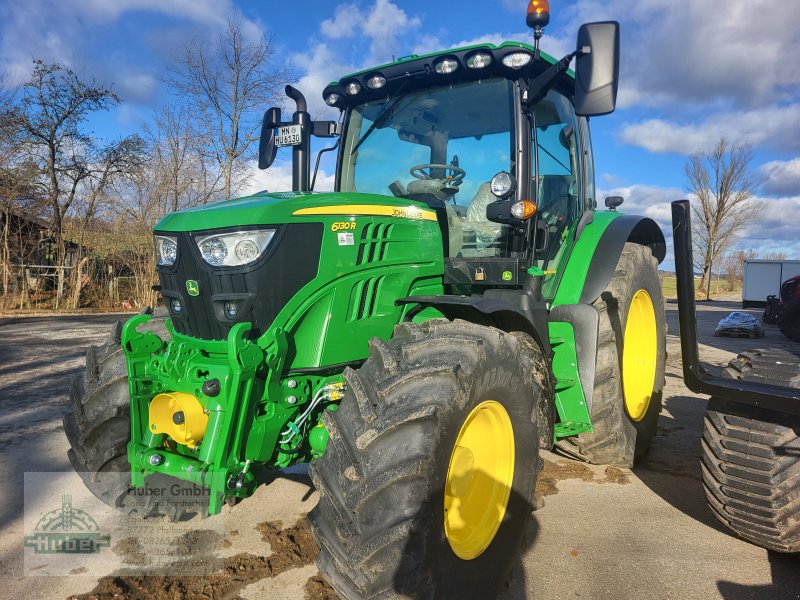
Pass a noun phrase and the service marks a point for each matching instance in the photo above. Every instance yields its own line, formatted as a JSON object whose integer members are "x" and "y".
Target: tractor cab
{"x": 488, "y": 136}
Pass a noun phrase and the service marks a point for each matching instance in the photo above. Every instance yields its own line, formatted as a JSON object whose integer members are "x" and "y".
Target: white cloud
{"x": 208, "y": 12}
{"x": 774, "y": 127}
{"x": 136, "y": 86}
{"x": 782, "y": 177}
{"x": 321, "y": 65}
{"x": 278, "y": 178}
{"x": 770, "y": 231}
{"x": 703, "y": 50}
{"x": 62, "y": 32}
{"x": 341, "y": 25}
{"x": 648, "y": 200}
{"x": 384, "y": 24}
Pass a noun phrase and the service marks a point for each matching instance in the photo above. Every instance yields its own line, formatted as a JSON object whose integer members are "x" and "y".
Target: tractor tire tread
{"x": 374, "y": 477}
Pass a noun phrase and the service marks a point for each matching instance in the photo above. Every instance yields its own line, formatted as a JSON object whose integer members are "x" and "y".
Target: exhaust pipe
{"x": 301, "y": 154}
{"x": 697, "y": 379}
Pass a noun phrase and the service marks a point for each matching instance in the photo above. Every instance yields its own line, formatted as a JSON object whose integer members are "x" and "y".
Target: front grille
{"x": 260, "y": 290}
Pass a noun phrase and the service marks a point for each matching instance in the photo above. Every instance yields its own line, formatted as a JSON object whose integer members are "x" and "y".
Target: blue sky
{"x": 691, "y": 72}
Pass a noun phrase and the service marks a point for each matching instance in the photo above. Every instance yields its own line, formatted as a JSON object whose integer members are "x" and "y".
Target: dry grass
{"x": 718, "y": 287}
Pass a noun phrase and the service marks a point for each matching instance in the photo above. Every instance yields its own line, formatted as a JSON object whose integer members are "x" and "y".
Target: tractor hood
{"x": 285, "y": 207}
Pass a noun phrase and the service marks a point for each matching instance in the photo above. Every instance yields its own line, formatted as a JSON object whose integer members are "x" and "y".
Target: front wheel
{"x": 427, "y": 483}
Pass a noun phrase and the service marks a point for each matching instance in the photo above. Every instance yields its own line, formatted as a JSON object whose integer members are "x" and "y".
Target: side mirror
{"x": 597, "y": 69}
{"x": 266, "y": 144}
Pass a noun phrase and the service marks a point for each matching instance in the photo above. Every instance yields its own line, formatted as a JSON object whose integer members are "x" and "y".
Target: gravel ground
{"x": 602, "y": 533}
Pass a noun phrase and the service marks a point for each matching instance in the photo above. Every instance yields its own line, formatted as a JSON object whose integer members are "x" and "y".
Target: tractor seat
{"x": 486, "y": 232}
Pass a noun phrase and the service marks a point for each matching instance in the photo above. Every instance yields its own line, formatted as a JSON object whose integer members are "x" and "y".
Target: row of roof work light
{"x": 445, "y": 65}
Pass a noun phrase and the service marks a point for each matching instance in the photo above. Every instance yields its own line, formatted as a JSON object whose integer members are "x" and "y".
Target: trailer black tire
{"x": 751, "y": 457}
{"x": 98, "y": 425}
{"x": 751, "y": 473}
{"x": 380, "y": 521}
{"x": 617, "y": 438}
{"x": 789, "y": 320}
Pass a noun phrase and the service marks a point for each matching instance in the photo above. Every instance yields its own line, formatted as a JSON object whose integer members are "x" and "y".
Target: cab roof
{"x": 414, "y": 71}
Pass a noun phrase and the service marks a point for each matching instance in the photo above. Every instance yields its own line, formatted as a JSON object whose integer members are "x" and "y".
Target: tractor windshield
{"x": 441, "y": 144}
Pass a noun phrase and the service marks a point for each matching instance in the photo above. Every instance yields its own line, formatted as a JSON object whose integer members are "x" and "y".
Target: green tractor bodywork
{"x": 256, "y": 352}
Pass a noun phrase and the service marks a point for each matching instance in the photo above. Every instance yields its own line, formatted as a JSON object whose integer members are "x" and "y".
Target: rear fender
{"x": 594, "y": 258}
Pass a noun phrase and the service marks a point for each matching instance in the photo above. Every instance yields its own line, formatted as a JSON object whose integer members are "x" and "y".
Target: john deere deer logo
{"x": 66, "y": 530}
{"x": 192, "y": 287}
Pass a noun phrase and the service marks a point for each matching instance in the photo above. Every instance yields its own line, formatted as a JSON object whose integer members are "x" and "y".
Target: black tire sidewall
{"x": 452, "y": 576}
{"x": 644, "y": 429}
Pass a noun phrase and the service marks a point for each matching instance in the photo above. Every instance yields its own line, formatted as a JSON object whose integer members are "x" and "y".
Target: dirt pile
{"x": 291, "y": 547}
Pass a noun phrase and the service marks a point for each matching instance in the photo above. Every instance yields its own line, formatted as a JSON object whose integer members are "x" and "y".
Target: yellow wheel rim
{"x": 479, "y": 480}
{"x": 639, "y": 355}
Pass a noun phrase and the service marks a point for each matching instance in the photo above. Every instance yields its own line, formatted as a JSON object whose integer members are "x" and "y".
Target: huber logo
{"x": 66, "y": 530}
{"x": 192, "y": 287}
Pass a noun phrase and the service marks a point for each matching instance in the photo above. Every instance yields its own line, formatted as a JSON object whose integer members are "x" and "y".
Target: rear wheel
{"x": 629, "y": 375}
{"x": 751, "y": 457}
{"x": 427, "y": 483}
{"x": 789, "y": 320}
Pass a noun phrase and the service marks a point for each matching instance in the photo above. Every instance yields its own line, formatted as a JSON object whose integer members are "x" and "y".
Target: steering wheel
{"x": 453, "y": 180}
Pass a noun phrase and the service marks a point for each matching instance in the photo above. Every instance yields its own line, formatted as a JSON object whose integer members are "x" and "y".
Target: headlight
{"x": 166, "y": 250}
{"x": 234, "y": 249}
{"x": 503, "y": 185}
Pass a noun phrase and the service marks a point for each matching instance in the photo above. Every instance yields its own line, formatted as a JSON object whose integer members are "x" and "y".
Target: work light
{"x": 351, "y": 88}
{"x": 446, "y": 66}
{"x": 332, "y": 99}
{"x": 517, "y": 60}
{"x": 479, "y": 60}
{"x": 503, "y": 184}
{"x": 376, "y": 82}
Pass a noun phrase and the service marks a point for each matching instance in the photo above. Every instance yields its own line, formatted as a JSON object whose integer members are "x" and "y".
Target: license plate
{"x": 288, "y": 135}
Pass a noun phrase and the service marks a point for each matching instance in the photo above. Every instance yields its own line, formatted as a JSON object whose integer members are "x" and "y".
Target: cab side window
{"x": 559, "y": 198}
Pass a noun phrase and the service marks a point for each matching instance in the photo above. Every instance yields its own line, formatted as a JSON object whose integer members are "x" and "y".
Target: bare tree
{"x": 226, "y": 90}
{"x": 19, "y": 201}
{"x": 725, "y": 200}
{"x": 55, "y": 103}
{"x": 177, "y": 162}
{"x": 122, "y": 158}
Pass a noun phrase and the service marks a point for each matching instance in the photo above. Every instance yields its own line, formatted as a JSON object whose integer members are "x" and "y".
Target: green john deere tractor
{"x": 455, "y": 304}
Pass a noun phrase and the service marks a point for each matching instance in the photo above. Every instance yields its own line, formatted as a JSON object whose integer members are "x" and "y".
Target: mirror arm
{"x": 319, "y": 155}
{"x": 539, "y": 87}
